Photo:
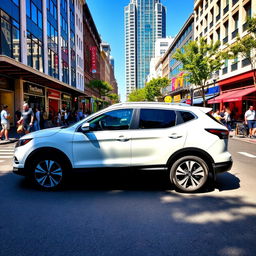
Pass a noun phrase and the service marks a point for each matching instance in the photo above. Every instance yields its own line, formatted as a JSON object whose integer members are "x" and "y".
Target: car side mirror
{"x": 85, "y": 127}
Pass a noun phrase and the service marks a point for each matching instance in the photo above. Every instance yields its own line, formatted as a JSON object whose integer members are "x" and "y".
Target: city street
{"x": 130, "y": 213}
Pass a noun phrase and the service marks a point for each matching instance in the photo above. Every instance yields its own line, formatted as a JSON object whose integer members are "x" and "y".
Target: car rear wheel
{"x": 189, "y": 173}
{"x": 47, "y": 172}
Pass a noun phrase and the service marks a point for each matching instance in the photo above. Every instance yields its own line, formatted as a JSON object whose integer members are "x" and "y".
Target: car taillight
{"x": 222, "y": 134}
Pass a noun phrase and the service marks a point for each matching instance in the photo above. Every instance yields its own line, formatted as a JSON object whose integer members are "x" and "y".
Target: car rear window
{"x": 156, "y": 118}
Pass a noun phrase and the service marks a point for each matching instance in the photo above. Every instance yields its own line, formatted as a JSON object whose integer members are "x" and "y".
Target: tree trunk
{"x": 203, "y": 95}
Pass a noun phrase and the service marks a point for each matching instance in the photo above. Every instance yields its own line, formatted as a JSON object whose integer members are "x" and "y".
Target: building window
{"x": 34, "y": 13}
{"x": 65, "y": 71}
{"x": 52, "y": 8}
{"x": 34, "y": 52}
{"x": 53, "y": 64}
{"x": 9, "y": 37}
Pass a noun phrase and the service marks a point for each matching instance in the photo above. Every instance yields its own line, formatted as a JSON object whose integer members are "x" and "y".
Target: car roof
{"x": 143, "y": 104}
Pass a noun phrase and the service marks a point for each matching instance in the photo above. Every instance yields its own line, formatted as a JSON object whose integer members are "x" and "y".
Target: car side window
{"x": 156, "y": 118}
{"x": 186, "y": 116}
{"x": 113, "y": 120}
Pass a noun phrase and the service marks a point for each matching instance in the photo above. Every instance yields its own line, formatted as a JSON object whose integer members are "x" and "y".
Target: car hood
{"x": 42, "y": 133}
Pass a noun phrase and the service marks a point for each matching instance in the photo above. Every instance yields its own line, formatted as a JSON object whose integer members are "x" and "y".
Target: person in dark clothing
{"x": 27, "y": 118}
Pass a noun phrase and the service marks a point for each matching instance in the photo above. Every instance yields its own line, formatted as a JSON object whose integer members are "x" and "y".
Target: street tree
{"x": 103, "y": 87}
{"x": 154, "y": 86}
{"x": 200, "y": 60}
{"x": 113, "y": 97}
{"x": 137, "y": 95}
{"x": 245, "y": 47}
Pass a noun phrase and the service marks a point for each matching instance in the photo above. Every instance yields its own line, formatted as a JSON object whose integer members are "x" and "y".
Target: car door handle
{"x": 122, "y": 138}
{"x": 175, "y": 136}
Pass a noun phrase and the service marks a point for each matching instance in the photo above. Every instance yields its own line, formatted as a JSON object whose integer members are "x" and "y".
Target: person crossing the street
{"x": 5, "y": 123}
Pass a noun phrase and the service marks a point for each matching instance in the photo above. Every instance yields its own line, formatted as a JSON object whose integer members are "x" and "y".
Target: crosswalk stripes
{"x": 6, "y": 153}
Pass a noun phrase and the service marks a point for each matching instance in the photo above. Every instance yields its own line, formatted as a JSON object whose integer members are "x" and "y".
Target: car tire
{"x": 47, "y": 172}
{"x": 189, "y": 173}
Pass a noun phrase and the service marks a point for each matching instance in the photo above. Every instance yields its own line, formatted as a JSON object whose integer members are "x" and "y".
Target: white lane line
{"x": 6, "y": 153}
{"x": 6, "y": 157}
{"x": 6, "y": 150}
{"x": 247, "y": 154}
{"x": 2, "y": 161}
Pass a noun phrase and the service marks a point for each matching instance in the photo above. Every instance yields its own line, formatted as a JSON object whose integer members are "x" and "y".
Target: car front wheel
{"x": 47, "y": 172}
{"x": 189, "y": 173}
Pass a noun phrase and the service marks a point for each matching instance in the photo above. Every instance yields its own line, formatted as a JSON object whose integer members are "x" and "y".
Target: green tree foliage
{"x": 154, "y": 86}
{"x": 137, "y": 95}
{"x": 114, "y": 97}
{"x": 104, "y": 88}
{"x": 200, "y": 60}
{"x": 245, "y": 47}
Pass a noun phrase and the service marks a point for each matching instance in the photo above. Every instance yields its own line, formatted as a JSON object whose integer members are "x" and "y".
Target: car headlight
{"x": 22, "y": 142}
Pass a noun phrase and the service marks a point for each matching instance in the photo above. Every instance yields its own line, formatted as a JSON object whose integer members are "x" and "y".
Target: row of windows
{"x": 9, "y": 36}
{"x": 34, "y": 13}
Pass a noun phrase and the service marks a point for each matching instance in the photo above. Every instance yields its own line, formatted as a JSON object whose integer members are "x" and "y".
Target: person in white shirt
{"x": 250, "y": 120}
{"x": 5, "y": 123}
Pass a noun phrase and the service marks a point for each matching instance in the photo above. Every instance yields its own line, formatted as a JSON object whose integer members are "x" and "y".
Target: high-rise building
{"x": 145, "y": 21}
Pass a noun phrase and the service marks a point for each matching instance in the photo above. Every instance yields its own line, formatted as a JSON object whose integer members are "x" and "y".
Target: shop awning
{"x": 12, "y": 68}
{"x": 235, "y": 95}
{"x": 198, "y": 101}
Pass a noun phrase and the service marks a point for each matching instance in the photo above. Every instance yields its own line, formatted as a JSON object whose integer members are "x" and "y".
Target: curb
{"x": 12, "y": 140}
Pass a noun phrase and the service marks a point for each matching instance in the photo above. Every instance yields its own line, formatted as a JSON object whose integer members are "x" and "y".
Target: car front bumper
{"x": 20, "y": 171}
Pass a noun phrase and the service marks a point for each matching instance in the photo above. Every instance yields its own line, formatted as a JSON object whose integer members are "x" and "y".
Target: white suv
{"x": 186, "y": 141}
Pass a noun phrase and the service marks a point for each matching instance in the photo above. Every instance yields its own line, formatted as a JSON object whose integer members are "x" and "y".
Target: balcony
{"x": 234, "y": 66}
{"x": 234, "y": 2}
{"x": 225, "y": 40}
{"x": 245, "y": 62}
{"x": 218, "y": 17}
{"x": 211, "y": 24}
{"x": 245, "y": 26}
{"x": 225, "y": 10}
{"x": 224, "y": 70}
{"x": 234, "y": 33}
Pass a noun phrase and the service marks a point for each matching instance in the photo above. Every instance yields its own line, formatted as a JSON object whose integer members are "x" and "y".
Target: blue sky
{"x": 108, "y": 16}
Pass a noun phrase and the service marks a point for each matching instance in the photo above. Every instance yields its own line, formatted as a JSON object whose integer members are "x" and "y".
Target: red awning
{"x": 230, "y": 96}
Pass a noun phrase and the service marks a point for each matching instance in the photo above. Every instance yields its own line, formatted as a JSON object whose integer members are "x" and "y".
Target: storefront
{"x": 7, "y": 96}
{"x": 54, "y": 103}
{"x": 34, "y": 95}
{"x": 210, "y": 93}
{"x": 237, "y": 94}
{"x": 66, "y": 101}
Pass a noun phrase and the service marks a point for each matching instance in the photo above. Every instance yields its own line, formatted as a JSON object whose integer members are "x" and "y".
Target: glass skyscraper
{"x": 145, "y": 21}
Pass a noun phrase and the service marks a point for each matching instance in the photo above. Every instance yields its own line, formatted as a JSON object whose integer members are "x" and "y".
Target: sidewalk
{"x": 13, "y": 136}
{"x": 241, "y": 138}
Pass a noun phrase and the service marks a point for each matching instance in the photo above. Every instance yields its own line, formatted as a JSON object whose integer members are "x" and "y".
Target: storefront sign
{"x": 53, "y": 94}
{"x": 93, "y": 51}
{"x": 66, "y": 97}
{"x": 177, "y": 98}
{"x": 32, "y": 89}
{"x": 168, "y": 99}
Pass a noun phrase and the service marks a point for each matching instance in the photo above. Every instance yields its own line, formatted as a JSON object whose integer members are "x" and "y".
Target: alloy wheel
{"x": 48, "y": 173}
{"x": 190, "y": 175}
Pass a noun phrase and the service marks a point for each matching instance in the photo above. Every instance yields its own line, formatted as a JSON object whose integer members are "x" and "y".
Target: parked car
{"x": 185, "y": 141}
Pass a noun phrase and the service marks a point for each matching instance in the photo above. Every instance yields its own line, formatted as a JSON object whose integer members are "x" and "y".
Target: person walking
{"x": 217, "y": 116}
{"x": 250, "y": 120}
{"x": 228, "y": 118}
{"x": 27, "y": 118}
{"x": 37, "y": 119}
{"x": 5, "y": 123}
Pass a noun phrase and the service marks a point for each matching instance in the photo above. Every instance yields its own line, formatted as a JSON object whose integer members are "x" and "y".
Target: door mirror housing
{"x": 85, "y": 127}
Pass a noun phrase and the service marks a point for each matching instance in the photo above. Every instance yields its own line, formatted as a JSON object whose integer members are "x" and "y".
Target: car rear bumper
{"x": 222, "y": 167}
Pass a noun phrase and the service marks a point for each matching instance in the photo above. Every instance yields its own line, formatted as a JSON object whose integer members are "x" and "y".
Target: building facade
{"x": 224, "y": 20}
{"x": 171, "y": 68}
{"x": 145, "y": 21}
{"x": 38, "y": 55}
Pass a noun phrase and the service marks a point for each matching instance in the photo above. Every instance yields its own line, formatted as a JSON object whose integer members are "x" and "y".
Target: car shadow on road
{"x": 116, "y": 179}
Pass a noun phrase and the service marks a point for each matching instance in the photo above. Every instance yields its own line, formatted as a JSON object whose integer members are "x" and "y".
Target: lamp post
{"x": 191, "y": 89}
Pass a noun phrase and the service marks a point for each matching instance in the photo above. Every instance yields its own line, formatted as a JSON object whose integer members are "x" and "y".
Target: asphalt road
{"x": 130, "y": 214}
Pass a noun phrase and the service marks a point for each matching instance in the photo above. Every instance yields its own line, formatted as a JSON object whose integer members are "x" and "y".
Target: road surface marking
{"x": 2, "y": 161}
{"x": 6, "y": 157}
{"x": 247, "y": 154}
{"x": 6, "y": 150}
{"x": 6, "y": 153}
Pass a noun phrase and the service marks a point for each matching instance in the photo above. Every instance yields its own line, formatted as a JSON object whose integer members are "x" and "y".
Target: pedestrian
{"x": 216, "y": 115}
{"x": 250, "y": 120}
{"x": 66, "y": 117}
{"x": 27, "y": 118}
{"x": 228, "y": 118}
{"x": 37, "y": 119}
{"x": 222, "y": 115}
{"x": 80, "y": 114}
{"x": 5, "y": 116}
{"x": 17, "y": 115}
{"x": 59, "y": 118}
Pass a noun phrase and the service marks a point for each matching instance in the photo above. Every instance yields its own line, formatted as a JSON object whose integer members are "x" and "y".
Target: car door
{"x": 157, "y": 137}
{"x": 107, "y": 143}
